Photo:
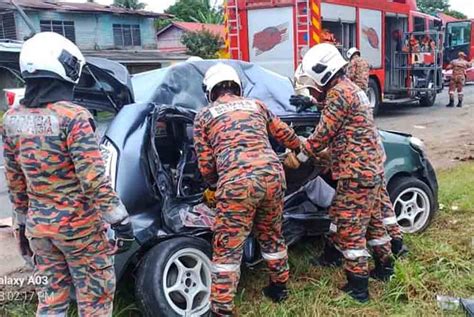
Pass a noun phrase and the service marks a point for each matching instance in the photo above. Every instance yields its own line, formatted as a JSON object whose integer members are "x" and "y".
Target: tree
{"x": 194, "y": 11}
{"x": 456, "y": 14}
{"x": 129, "y": 4}
{"x": 202, "y": 43}
{"x": 433, "y": 6}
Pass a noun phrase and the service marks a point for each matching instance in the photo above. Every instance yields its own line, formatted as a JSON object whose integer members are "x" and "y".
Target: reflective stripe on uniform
{"x": 390, "y": 221}
{"x": 333, "y": 227}
{"x": 381, "y": 241}
{"x": 275, "y": 256}
{"x": 222, "y": 268}
{"x": 353, "y": 254}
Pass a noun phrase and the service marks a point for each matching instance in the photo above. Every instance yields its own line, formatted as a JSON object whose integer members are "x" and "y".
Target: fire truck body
{"x": 277, "y": 33}
{"x": 459, "y": 38}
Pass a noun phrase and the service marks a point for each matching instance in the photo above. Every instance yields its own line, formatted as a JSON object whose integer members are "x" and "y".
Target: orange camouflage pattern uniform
{"x": 232, "y": 143}
{"x": 59, "y": 190}
{"x": 459, "y": 67}
{"x": 347, "y": 128}
{"x": 358, "y": 71}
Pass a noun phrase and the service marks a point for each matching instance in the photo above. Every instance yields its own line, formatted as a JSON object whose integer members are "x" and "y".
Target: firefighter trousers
{"x": 82, "y": 263}
{"x": 243, "y": 206}
{"x": 357, "y": 223}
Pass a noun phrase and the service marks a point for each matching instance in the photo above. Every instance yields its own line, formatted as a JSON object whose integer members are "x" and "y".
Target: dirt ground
{"x": 448, "y": 133}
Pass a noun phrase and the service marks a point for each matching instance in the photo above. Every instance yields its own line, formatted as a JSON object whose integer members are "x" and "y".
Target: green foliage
{"x": 432, "y": 6}
{"x": 202, "y": 43}
{"x": 201, "y": 11}
{"x": 456, "y": 14}
{"x": 130, "y": 4}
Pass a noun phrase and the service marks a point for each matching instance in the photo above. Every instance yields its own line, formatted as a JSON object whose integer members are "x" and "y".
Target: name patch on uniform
{"x": 221, "y": 109}
{"x": 31, "y": 125}
{"x": 364, "y": 100}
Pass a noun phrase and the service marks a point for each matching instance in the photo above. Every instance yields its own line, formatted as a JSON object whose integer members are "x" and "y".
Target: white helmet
{"x": 352, "y": 51}
{"x": 219, "y": 74}
{"x": 194, "y": 59}
{"x": 50, "y": 55}
{"x": 302, "y": 82}
{"x": 322, "y": 62}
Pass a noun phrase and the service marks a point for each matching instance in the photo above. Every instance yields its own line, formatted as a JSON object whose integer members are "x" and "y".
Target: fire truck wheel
{"x": 428, "y": 100}
{"x": 374, "y": 95}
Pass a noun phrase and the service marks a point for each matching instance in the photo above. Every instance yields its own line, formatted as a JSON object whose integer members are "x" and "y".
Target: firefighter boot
{"x": 460, "y": 98}
{"x": 277, "y": 292}
{"x": 451, "y": 101}
{"x": 221, "y": 313}
{"x": 398, "y": 248}
{"x": 382, "y": 271}
{"x": 331, "y": 257}
{"x": 357, "y": 287}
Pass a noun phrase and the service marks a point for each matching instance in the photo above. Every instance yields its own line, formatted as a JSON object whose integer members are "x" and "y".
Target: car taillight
{"x": 10, "y": 98}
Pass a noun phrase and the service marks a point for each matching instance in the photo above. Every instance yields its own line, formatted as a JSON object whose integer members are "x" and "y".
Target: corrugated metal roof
{"x": 136, "y": 56}
{"x": 194, "y": 27}
{"x": 77, "y": 7}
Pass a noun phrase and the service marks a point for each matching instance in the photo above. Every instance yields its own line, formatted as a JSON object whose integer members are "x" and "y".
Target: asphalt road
{"x": 448, "y": 133}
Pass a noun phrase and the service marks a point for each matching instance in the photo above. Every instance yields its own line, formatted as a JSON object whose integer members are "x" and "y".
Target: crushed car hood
{"x": 104, "y": 85}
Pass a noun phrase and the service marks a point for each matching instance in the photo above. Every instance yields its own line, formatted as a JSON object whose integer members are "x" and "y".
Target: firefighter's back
{"x": 238, "y": 134}
{"x": 42, "y": 138}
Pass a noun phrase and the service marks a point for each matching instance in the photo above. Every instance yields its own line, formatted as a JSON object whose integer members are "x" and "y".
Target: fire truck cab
{"x": 459, "y": 38}
{"x": 403, "y": 46}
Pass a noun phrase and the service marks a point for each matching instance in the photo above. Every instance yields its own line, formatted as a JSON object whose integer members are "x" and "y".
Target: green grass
{"x": 441, "y": 261}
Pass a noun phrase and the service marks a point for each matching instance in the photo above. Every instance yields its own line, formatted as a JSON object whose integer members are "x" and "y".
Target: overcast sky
{"x": 160, "y": 5}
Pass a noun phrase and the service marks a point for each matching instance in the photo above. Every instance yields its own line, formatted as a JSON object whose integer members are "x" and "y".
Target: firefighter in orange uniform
{"x": 347, "y": 129}
{"x": 231, "y": 137}
{"x": 459, "y": 67}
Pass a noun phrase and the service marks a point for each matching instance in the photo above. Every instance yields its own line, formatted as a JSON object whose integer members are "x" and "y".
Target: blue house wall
{"x": 93, "y": 31}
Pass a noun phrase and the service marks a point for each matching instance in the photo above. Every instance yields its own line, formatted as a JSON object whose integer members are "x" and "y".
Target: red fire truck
{"x": 459, "y": 38}
{"x": 402, "y": 45}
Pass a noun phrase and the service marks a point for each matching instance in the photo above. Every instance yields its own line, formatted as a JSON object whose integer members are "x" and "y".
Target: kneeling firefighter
{"x": 347, "y": 128}
{"x": 58, "y": 186}
{"x": 231, "y": 137}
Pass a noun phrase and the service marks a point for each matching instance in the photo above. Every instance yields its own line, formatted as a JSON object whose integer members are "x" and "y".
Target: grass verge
{"x": 441, "y": 262}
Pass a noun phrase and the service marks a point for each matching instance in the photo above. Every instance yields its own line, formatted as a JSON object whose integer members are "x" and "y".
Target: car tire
{"x": 413, "y": 202}
{"x": 374, "y": 96}
{"x": 172, "y": 274}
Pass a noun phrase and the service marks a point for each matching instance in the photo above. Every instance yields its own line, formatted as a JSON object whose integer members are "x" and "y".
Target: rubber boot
{"x": 277, "y": 292}
{"x": 357, "y": 287}
{"x": 451, "y": 102}
{"x": 459, "y": 105}
{"x": 331, "y": 257}
{"x": 398, "y": 248}
{"x": 382, "y": 271}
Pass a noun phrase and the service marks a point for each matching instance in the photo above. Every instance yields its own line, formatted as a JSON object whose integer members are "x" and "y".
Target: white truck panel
{"x": 336, "y": 13}
{"x": 370, "y": 32}
{"x": 271, "y": 39}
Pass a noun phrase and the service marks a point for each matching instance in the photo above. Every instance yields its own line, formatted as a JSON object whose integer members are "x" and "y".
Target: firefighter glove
{"x": 124, "y": 237}
{"x": 291, "y": 161}
{"x": 209, "y": 196}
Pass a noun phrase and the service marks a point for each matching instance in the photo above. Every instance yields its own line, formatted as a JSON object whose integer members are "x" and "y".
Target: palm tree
{"x": 129, "y": 4}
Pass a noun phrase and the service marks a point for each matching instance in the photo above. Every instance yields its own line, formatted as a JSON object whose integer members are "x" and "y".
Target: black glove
{"x": 23, "y": 242}
{"x": 124, "y": 237}
{"x": 301, "y": 102}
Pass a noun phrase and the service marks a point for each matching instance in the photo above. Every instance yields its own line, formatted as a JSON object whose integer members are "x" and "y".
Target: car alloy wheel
{"x": 412, "y": 207}
{"x": 187, "y": 282}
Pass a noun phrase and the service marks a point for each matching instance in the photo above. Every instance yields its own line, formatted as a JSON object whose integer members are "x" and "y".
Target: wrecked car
{"x": 148, "y": 150}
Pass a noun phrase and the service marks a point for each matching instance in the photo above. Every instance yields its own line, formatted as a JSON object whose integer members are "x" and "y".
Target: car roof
{"x": 181, "y": 85}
